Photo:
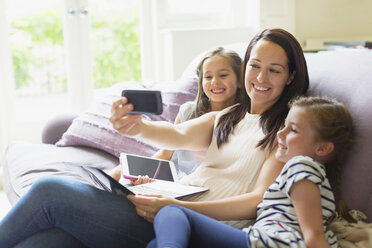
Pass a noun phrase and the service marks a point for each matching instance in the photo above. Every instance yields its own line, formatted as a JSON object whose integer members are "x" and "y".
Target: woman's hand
{"x": 147, "y": 206}
{"x": 121, "y": 120}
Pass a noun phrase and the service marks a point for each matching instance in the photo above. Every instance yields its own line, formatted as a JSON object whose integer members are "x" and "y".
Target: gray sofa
{"x": 90, "y": 140}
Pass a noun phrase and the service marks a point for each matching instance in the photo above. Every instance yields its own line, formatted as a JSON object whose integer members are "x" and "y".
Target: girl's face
{"x": 266, "y": 75}
{"x": 297, "y": 137}
{"x": 220, "y": 82}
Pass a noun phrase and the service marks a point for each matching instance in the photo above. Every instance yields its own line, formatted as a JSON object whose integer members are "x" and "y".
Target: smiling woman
{"x": 267, "y": 73}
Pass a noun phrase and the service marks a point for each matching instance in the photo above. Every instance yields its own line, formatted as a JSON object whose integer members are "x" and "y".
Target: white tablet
{"x": 135, "y": 165}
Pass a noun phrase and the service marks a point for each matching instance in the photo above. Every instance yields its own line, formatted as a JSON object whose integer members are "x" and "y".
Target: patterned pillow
{"x": 93, "y": 128}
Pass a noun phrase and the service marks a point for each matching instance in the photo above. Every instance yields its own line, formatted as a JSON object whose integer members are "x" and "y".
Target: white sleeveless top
{"x": 234, "y": 167}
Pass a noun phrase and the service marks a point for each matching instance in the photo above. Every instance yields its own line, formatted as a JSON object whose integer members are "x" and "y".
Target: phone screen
{"x": 144, "y": 101}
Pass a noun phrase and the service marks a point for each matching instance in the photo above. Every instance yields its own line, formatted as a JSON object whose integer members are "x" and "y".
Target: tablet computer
{"x": 105, "y": 182}
{"x": 166, "y": 181}
{"x": 136, "y": 165}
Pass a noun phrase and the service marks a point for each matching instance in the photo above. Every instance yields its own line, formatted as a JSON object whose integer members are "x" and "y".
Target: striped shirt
{"x": 277, "y": 224}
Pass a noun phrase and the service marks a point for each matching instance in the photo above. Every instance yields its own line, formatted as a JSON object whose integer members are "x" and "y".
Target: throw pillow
{"x": 93, "y": 128}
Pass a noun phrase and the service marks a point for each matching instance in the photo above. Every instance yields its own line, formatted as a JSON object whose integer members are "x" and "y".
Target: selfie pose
{"x": 218, "y": 87}
{"x": 238, "y": 168}
{"x": 297, "y": 207}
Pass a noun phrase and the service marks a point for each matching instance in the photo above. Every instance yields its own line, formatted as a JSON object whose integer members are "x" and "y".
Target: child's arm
{"x": 306, "y": 200}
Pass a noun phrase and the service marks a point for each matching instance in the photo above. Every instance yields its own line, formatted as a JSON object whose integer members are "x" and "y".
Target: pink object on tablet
{"x": 133, "y": 178}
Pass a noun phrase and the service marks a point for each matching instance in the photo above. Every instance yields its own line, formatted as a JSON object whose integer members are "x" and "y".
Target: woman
{"x": 274, "y": 71}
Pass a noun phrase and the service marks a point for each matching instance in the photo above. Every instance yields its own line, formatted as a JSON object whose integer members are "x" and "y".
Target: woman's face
{"x": 220, "y": 82}
{"x": 266, "y": 75}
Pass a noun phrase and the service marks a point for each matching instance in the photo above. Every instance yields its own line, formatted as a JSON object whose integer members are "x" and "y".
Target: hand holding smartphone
{"x": 144, "y": 101}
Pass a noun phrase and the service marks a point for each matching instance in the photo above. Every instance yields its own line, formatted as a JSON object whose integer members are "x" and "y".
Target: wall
{"x": 333, "y": 19}
{"x": 177, "y": 57}
{"x": 312, "y": 22}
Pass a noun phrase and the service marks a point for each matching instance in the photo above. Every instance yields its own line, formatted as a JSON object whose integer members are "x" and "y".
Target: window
{"x": 115, "y": 42}
{"x": 62, "y": 50}
{"x": 36, "y": 42}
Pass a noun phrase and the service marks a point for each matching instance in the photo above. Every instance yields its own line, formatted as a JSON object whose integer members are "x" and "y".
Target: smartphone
{"x": 144, "y": 101}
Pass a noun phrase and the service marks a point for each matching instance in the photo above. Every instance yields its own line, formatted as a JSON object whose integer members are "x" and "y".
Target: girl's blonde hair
{"x": 332, "y": 122}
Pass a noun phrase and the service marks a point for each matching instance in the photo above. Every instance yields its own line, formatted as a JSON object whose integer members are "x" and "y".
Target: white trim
{"x": 78, "y": 54}
{"x": 147, "y": 41}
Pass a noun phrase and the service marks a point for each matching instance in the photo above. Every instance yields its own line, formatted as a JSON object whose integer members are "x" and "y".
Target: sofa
{"x": 88, "y": 139}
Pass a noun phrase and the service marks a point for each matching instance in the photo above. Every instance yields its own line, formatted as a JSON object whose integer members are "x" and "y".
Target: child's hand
{"x": 142, "y": 180}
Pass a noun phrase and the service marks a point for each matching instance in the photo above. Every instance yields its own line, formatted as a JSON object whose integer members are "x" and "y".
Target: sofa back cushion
{"x": 346, "y": 75}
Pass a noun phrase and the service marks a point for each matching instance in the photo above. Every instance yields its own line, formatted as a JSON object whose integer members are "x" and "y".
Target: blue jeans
{"x": 85, "y": 215}
{"x": 49, "y": 237}
{"x": 178, "y": 227}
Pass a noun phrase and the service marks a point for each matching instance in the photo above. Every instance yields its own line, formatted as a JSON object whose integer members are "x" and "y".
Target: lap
{"x": 51, "y": 238}
{"x": 94, "y": 216}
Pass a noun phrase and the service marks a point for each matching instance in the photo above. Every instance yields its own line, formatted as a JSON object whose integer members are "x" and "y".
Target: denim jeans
{"x": 49, "y": 237}
{"x": 73, "y": 213}
{"x": 176, "y": 226}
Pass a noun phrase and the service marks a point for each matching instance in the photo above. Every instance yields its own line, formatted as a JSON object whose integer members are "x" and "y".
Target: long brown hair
{"x": 202, "y": 104}
{"x": 273, "y": 118}
{"x": 332, "y": 122}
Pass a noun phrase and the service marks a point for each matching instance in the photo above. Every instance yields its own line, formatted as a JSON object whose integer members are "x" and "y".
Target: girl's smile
{"x": 220, "y": 82}
{"x": 297, "y": 137}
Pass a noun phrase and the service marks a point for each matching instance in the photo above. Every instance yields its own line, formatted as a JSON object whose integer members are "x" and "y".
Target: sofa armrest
{"x": 55, "y": 127}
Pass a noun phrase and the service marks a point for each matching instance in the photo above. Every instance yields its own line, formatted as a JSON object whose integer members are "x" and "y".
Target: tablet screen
{"x": 154, "y": 168}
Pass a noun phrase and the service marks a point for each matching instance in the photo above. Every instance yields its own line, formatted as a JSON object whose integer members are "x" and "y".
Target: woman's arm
{"x": 195, "y": 134}
{"x": 233, "y": 208}
{"x": 307, "y": 203}
{"x": 163, "y": 153}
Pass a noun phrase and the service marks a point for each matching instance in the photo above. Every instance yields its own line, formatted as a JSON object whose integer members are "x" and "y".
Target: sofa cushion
{"x": 26, "y": 162}
{"x": 93, "y": 128}
{"x": 346, "y": 76}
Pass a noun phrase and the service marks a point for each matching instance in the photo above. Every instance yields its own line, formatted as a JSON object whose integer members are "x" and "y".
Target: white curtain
{"x": 6, "y": 82}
